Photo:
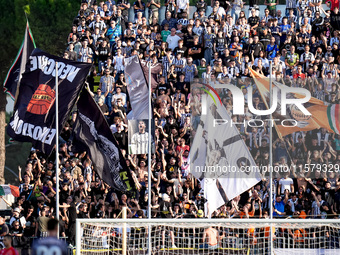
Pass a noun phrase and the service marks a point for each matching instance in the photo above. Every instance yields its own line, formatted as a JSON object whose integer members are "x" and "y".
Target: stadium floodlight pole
{"x": 271, "y": 155}
{"x": 57, "y": 142}
{"x": 149, "y": 158}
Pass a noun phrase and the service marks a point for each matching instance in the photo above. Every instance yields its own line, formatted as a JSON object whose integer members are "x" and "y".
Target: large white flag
{"x": 220, "y": 158}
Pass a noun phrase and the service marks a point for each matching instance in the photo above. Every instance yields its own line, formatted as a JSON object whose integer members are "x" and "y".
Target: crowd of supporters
{"x": 215, "y": 44}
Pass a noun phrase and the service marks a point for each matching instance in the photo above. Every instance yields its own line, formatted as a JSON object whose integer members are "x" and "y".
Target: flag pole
{"x": 57, "y": 142}
{"x": 271, "y": 155}
{"x": 149, "y": 160}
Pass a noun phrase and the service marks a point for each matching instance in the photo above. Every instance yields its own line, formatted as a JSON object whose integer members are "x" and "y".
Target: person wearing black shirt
{"x": 253, "y": 20}
{"x": 163, "y": 86}
{"x": 200, "y": 201}
{"x": 201, "y": 5}
{"x": 327, "y": 193}
{"x": 299, "y": 149}
{"x": 103, "y": 53}
{"x": 82, "y": 213}
{"x": 225, "y": 5}
{"x": 172, "y": 167}
{"x": 335, "y": 18}
{"x": 103, "y": 107}
{"x": 30, "y": 221}
{"x": 276, "y": 31}
{"x": 17, "y": 233}
{"x": 64, "y": 193}
{"x": 335, "y": 51}
{"x": 155, "y": 27}
{"x": 72, "y": 216}
{"x": 226, "y": 58}
{"x": 121, "y": 138}
{"x": 171, "y": 124}
{"x": 139, "y": 6}
{"x": 124, "y": 5}
{"x": 327, "y": 29}
{"x": 288, "y": 43}
{"x": 326, "y": 210}
{"x": 170, "y": 7}
{"x": 314, "y": 145}
{"x": 189, "y": 37}
{"x": 300, "y": 46}
{"x": 66, "y": 132}
{"x": 220, "y": 42}
{"x": 97, "y": 191}
{"x": 256, "y": 47}
{"x": 165, "y": 207}
{"x": 214, "y": 15}
{"x": 317, "y": 24}
{"x": 265, "y": 38}
{"x": 196, "y": 51}
{"x": 181, "y": 85}
{"x": 121, "y": 83}
{"x": 116, "y": 113}
{"x": 181, "y": 49}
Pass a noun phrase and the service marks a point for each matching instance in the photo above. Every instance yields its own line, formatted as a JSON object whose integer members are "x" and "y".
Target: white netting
{"x": 199, "y": 238}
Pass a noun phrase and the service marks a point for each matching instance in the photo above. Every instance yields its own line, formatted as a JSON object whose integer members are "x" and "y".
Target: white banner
{"x": 223, "y": 159}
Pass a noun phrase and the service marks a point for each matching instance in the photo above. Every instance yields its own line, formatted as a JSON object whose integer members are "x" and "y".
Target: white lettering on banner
{"x": 43, "y": 134}
{"x": 47, "y": 66}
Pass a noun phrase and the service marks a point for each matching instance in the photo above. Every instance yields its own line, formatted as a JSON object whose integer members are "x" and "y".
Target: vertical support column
{"x": 57, "y": 141}
{"x": 124, "y": 232}
{"x": 78, "y": 237}
{"x": 271, "y": 158}
{"x": 149, "y": 160}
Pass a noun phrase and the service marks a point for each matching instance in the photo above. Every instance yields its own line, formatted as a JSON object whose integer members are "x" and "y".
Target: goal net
{"x": 208, "y": 236}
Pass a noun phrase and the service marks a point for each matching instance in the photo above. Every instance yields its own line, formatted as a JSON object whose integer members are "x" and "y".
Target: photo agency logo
{"x": 204, "y": 99}
{"x": 222, "y": 112}
{"x": 287, "y": 108}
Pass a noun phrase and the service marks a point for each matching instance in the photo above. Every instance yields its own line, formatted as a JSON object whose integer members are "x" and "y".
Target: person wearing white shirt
{"x": 119, "y": 95}
{"x": 265, "y": 62}
{"x": 182, "y": 6}
{"x": 173, "y": 39}
{"x": 286, "y": 183}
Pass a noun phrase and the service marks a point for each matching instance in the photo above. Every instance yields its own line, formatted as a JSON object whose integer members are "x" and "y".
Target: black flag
{"x": 12, "y": 80}
{"x": 34, "y": 111}
{"x": 92, "y": 132}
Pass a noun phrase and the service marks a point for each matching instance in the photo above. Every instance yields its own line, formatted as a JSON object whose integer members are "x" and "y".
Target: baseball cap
{"x": 203, "y": 59}
{"x": 200, "y": 213}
